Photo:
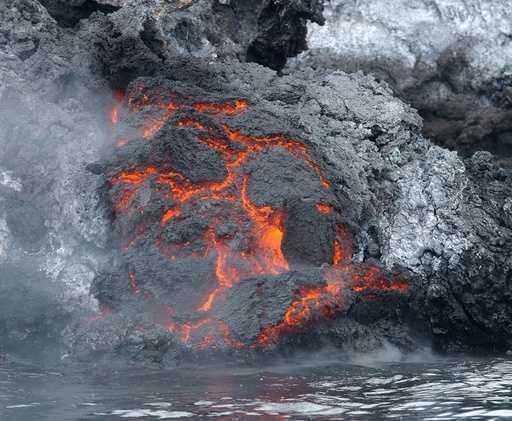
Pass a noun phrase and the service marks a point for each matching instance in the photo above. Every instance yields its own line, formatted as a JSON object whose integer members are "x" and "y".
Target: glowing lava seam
{"x": 231, "y": 265}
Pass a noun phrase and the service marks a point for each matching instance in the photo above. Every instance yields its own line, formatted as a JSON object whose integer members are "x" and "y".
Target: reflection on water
{"x": 437, "y": 389}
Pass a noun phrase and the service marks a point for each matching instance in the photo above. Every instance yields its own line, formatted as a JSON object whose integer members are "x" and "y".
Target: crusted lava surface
{"x": 228, "y": 237}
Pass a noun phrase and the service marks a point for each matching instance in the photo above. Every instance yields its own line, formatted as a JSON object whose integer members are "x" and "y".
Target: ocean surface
{"x": 307, "y": 387}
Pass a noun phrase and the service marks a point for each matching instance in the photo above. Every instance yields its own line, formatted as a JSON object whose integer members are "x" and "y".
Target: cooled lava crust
{"x": 229, "y": 236}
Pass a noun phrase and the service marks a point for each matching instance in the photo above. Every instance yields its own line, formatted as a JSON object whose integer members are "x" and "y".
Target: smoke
{"x": 52, "y": 229}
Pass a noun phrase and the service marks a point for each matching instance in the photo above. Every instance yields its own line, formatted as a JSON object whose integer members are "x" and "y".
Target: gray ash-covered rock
{"x": 480, "y": 315}
{"x": 451, "y": 60}
{"x": 90, "y": 40}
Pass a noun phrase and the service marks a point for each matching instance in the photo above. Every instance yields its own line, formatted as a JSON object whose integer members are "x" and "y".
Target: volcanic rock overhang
{"x": 268, "y": 32}
{"x": 232, "y": 239}
{"x": 69, "y": 13}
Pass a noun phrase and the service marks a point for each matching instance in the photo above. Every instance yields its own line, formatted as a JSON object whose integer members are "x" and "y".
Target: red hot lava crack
{"x": 265, "y": 256}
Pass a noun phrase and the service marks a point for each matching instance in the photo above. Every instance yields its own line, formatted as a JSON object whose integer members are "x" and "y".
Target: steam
{"x": 52, "y": 230}
{"x": 331, "y": 356}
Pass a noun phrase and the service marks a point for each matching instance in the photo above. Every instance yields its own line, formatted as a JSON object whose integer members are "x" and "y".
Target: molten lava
{"x": 133, "y": 283}
{"x": 118, "y": 99}
{"x": 371, "y": 278}
{"x": 228, "y": 108}
{"x": 262, "y": 226}
{"x": 324, "y": 208}
{"x": 310, "y": 305}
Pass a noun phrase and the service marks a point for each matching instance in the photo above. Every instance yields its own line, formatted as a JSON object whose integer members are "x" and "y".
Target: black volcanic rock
{"x": 144, "y": 35}
{"x": 303, "y": 221}
{"x": 282, "y": 31}
{"x": 263, "y": 301}
{"x": 69, "y": 13}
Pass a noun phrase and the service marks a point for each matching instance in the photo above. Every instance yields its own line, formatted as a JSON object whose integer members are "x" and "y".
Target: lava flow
{"x": 310, "y": 305}
{"x": 252, "y": 247}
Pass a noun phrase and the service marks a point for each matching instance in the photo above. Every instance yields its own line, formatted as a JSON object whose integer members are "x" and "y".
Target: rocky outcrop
{"x": 262, "y": 31}
{"x": 451, "y": 60}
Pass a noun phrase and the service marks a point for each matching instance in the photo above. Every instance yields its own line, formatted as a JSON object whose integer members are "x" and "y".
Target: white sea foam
{"x": 203, "y": 403}
{"x": 23, "y": 405}
{"x": 306, "y": 408}
{"x": 138, "y": 413}
{"x": 159, "y": 404}
{"x": 500, "y": 413}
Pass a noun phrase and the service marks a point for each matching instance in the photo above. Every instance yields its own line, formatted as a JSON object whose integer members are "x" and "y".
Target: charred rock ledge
{"x": 219, "y": 208}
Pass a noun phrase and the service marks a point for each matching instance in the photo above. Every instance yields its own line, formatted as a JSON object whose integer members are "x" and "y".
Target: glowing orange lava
{"x": 114, "y": 115}
{"x": 371, "y": 278}
{"x": 343, "y": 247}
{"x": 166, "y": 108}
{"x": 310, "y": 305}
{"x": 114, "y": 109}
{"x": 203, "y": 333}
{"x": 133, "y": 283}
{"x": 229, "y": 108}
{"x": 265, "y": 233}
{"x": 338, "y": 253}
{"x": 170, "y": 214}
{"x": 324, "y": 208}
